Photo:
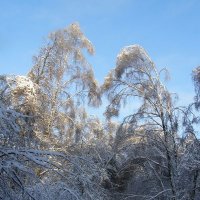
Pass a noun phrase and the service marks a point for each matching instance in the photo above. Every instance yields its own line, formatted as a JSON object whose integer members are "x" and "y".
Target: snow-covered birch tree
{"x": 154, "y": 123}
{"x": 66, "y": 80}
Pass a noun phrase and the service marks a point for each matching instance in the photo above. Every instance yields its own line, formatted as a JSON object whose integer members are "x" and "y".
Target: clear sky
{"x": 168, "y": 29}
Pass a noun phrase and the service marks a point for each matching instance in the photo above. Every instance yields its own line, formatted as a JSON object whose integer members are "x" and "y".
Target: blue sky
{"x": 168, "y": 30}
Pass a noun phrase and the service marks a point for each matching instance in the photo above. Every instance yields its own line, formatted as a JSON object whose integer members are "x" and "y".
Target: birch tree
{"x": 66, "y": 80}
{"x": 156, "y": 119}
